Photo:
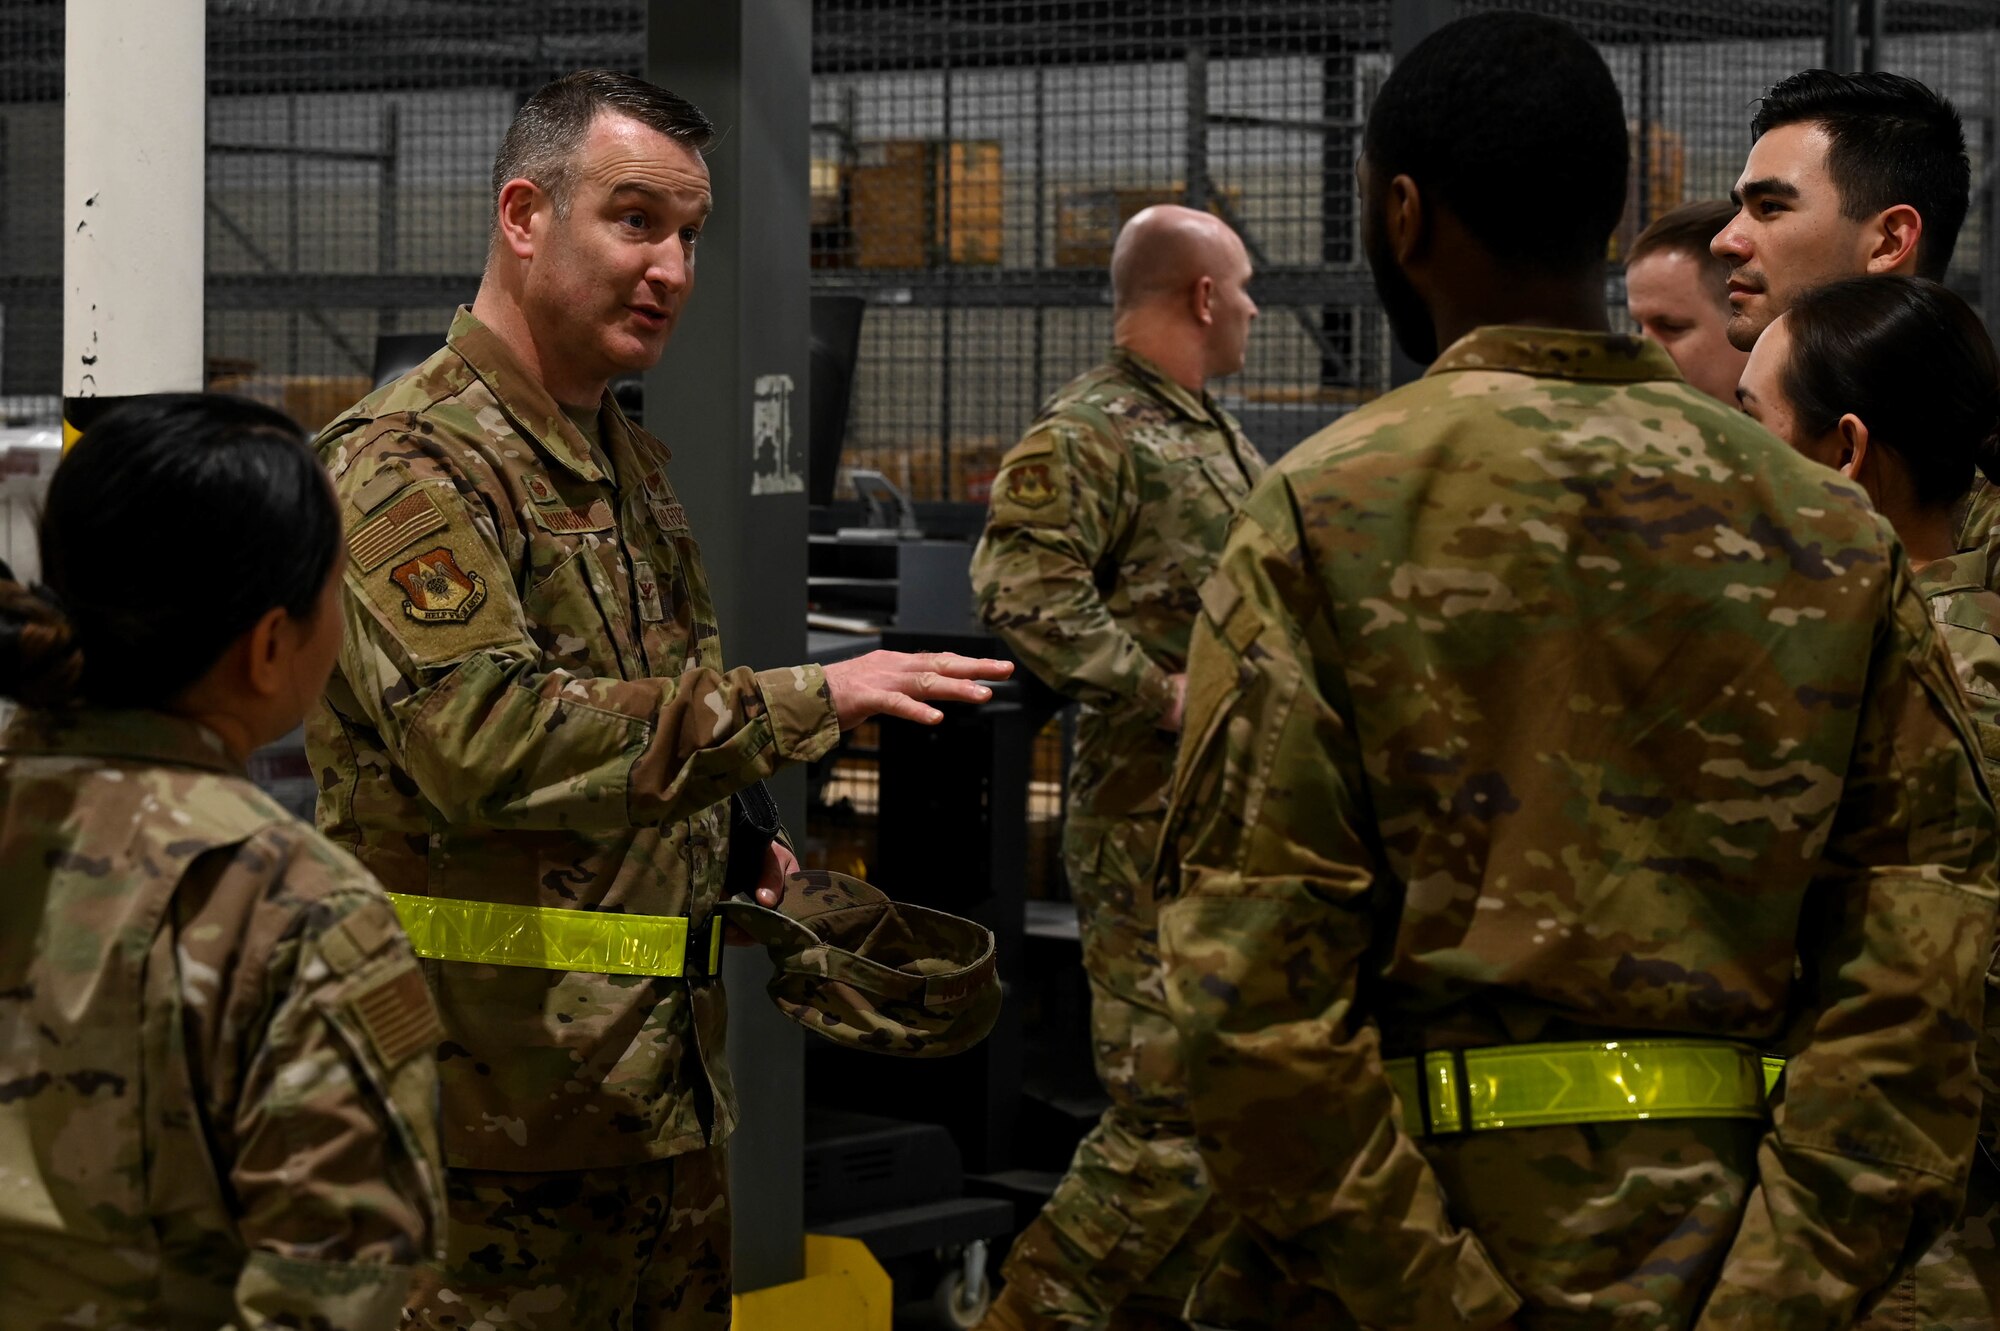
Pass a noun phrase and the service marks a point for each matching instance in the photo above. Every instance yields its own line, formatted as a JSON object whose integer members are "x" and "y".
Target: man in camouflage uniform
{"x": 532, "y": 711}
{"x": 1542, "y": 701}
{"x": 1105, "y": 519}
{"x": 1848, "y": 175}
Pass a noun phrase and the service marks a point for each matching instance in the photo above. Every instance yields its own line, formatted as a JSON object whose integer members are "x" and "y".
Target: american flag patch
{"x": 408, "y": 521}
{"x": 398, "y": 1016}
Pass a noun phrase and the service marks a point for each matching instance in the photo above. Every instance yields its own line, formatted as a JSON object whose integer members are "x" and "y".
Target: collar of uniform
{"x": 1962, "y": 572}
{"x": 1163, "y": 386}
{"x": 1557, "y": 353}
{"x": 144, "y": 736}
{"x": 527, "y": 404}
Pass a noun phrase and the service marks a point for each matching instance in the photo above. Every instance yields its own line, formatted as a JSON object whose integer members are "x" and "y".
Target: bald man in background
{"x": 1105, "y": 520}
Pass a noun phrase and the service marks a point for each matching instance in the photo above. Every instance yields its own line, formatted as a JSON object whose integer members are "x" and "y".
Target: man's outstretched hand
{"x": 902, "y": 683}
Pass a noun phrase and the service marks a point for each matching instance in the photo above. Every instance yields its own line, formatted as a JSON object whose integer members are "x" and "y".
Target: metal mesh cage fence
{"x": 972, "y": 160}
{"x": 1691, "y": 71}
{"x": 349, "y": 148}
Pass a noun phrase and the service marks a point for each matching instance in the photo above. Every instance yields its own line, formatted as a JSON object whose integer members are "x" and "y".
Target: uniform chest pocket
{"x": 572, "y": 609}
{"x": 682, "y": 635}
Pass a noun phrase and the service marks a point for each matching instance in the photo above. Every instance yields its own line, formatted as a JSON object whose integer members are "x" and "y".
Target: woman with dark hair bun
{"x": 217, "y": 1085}
{"x": 1893, "y": 382}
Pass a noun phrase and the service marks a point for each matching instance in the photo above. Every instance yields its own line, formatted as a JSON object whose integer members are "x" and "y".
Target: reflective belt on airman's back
{"x": 550, "y": 938}
{"x": 1597, "y": 1081}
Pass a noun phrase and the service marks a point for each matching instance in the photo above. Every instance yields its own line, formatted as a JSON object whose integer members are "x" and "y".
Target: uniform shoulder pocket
{"x": 432, "y": 581}
{"x": 1031, "y": 488}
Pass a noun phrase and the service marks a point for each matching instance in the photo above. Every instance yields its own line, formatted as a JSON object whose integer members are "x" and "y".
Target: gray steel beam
{"x": 1196, "y": 184}
{"x": 748, "y": 64}
{"x": 1842, "y": 54}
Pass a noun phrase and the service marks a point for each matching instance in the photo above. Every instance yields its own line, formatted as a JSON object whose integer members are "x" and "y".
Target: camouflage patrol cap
{"x": 864, "y": 971}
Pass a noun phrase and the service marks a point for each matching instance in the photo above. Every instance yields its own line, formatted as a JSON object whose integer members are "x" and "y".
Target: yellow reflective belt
{"x": 546, "y": 937}
{"x": 1610, "y": 1081}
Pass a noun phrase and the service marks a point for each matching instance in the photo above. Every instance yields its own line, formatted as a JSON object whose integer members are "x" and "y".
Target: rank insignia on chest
{"x": 541, "y": 491}
{"x": 436, "y": 590}
{"x": 647, "y": 584}
{"x": 1029, "y": 486}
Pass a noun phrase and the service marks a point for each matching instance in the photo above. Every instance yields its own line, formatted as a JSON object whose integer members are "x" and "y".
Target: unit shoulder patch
{"x": 406, "y": 522}
{"x": 436, "y": 590}
{"x": 1030, "y": 485}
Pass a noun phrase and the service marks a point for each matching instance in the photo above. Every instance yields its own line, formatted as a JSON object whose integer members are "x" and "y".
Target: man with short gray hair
{"x": 531, "y": 737}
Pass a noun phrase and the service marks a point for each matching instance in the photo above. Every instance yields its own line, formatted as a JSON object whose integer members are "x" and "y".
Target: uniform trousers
{"x": 635, "y": 1248}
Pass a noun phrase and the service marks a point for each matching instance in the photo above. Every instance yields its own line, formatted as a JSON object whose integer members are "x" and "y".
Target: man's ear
{"x": 1406, "y": 219}
{"x": 1201, "y": 300}
{"x": 267, "y": 650}
{"x": 1853, "y": 433}
{"x": 1894, "y": 237}
{"x": 520, "y": 200}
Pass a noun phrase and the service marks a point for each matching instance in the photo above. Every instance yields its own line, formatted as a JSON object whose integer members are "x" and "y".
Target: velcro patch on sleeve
{"x": 406, "y": 522}
{"x": 1219, "y": 597}
{"x": 397, "y": 1013}
{"x": 446, "y": 598}
{"x": 1032, "y": 488}
{"x": 380, "y": 486}
{"x": 1235, "y": 619}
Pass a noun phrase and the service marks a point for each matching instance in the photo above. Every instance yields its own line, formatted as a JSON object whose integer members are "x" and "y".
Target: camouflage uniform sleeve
{"x": 1265, "y": 923}
{"x": 1061, "y": 499}
{"x": 493, "y": 739}
{"x": 1874, "y": 1131}
{"x": 337, "y": 1171}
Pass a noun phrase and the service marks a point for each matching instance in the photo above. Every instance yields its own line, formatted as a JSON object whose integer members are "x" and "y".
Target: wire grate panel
{"x": 972, "y": 160}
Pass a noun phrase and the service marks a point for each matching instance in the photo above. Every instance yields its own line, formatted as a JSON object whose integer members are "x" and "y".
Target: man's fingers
{"x": 969, "y": 667}
{"x": 948, "y": 690}
{"x": 909, "y": 709}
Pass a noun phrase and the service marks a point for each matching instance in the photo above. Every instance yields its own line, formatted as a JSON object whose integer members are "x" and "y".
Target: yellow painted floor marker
{"x": 844, "y": 1289}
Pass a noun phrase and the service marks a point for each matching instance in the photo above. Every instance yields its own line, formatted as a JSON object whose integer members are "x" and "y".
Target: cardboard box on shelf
{"x": 1089, "y": 218}
{"x": 310, "y": 399}
{"x": 915, "y": 203}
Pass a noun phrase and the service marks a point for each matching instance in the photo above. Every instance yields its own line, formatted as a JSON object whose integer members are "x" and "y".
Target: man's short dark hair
{"x": 1688, "y": 230}
{"x": 1514, "y": 123}
{"x": 1893, "y": 140}
{"x": 549, "y": 130}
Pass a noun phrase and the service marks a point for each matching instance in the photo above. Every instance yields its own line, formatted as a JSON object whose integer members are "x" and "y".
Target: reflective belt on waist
{"x": 1608, "y": 1081}
{"x": 550, "y": 938}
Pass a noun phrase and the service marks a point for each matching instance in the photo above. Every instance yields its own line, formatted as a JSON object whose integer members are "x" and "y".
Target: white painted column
{"x": 134, "y": 165}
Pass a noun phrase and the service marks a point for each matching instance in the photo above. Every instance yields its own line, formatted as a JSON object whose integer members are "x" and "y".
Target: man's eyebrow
{"x": 1769, "y": 186}
{"x": 646, "y": 188}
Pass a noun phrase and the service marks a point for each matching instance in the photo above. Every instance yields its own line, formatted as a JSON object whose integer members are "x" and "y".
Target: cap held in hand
{"x": 871, "y": 973}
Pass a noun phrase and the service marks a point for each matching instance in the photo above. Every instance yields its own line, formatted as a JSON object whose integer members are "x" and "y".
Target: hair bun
{"x": 41, "y": 663}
